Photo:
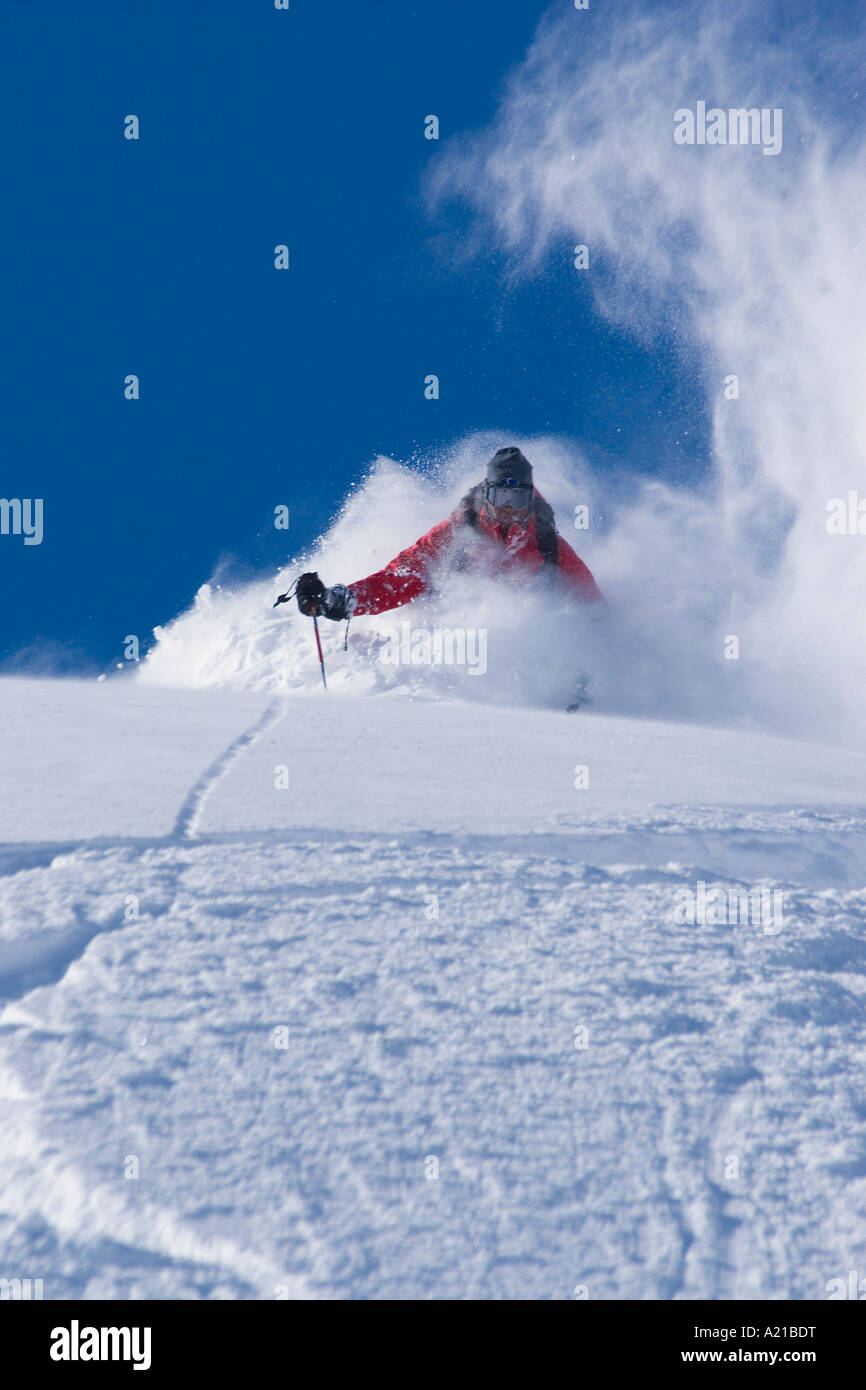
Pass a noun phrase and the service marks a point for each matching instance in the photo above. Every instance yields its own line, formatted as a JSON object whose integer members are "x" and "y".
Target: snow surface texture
{"x": 431, "y": 908}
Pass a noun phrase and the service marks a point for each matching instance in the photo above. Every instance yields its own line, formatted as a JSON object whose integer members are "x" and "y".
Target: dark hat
{"x": 509, "y": 463}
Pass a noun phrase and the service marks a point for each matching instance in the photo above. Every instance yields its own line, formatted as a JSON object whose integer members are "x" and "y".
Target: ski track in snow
{"x": 418, "y": 1034}
{"x": 191, "y": 810}
{"x": 42, "y": 958}
{"x": 159, "y": 1247}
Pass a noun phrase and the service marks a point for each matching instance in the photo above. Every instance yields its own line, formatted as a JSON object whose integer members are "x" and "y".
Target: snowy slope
{"x": 431, "y": 908}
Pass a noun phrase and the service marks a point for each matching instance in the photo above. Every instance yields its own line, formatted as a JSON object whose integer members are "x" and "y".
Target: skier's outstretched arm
{"x": 402, "y": 579}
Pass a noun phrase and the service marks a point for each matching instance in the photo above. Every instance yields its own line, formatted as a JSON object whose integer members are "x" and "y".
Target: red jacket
{"x": 408, "y": 574}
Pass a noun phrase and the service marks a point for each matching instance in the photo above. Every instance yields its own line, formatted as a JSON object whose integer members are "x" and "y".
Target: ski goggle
{"x": 511, "y": 492}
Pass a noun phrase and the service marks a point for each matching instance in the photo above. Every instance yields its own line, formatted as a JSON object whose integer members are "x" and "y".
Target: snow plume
{"x": 755, "y": 264}
{"x": 654, "y": 650}
{"x": 752, "y": 262}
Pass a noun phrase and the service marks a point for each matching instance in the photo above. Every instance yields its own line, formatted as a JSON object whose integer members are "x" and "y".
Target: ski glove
{"x": 314, "y": 600}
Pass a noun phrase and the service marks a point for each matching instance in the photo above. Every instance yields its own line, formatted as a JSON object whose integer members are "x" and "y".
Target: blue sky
{"x": 155, "y": 257}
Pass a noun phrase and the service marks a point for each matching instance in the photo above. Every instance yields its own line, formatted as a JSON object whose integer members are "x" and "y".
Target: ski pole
{"x": 319, "y": 645}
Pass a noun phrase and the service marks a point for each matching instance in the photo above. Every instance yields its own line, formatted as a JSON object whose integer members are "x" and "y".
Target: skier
{"x": 503, "y": 523}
